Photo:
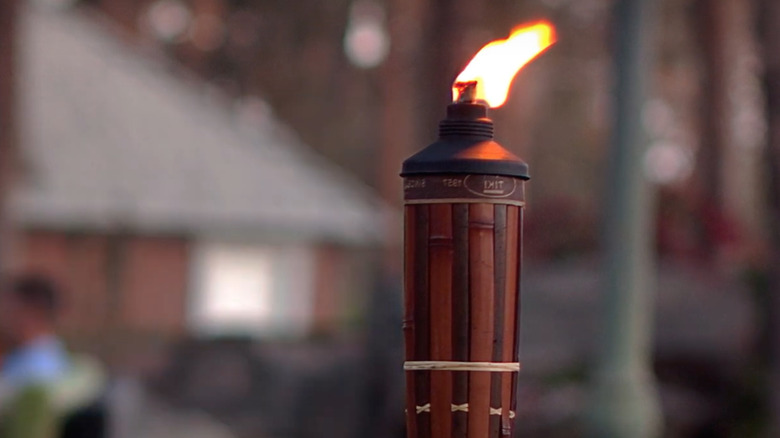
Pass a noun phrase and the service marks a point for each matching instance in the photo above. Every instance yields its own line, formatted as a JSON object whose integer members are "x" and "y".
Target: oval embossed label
{"x": 490, "y": 186}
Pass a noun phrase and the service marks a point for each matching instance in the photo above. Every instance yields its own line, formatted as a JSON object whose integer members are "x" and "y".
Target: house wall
{"x": 119, "y": 283}
{"x": 327, "y": 294}
{"x": 77, "y": 265}
{"x": 139, "y": 285}
{"x": 154, "y": 285}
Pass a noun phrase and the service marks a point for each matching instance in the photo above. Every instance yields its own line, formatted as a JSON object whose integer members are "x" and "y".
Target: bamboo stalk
{"x": 481, "y": 291}
{"x": 410, "y": 227}
{"x": 511, "y": 334}
{"x": 441, "y": 251}
{"x": 460, "y": 315}
{"x": 499, "y": 274}
{"x": 422, "y": 341}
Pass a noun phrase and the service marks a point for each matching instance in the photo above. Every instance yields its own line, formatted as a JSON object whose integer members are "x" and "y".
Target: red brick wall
{"x": 327, "y": 297}
{"x": 139, "y": 285}
{"x": 135, "y": 284}
{"x": 154, "y": 282}
{"x": 83, "y": 280}
{"x": 77, "y": 265}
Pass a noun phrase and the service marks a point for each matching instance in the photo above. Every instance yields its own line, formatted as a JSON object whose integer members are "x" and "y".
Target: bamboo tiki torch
{"x": 464, "y": 198}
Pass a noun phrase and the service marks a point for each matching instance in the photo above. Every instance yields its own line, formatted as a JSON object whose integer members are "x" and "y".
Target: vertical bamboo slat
{"x": 518, "y": 304}
{"x": 440, "y": 250}
{"x": 499, "y": 281}
{"x": 481, "y": 291}
{"x": 422, "y": 329}
{"x": 410, "y": 227}
{"x": 460, "y": 315}
{"x": 510, "y": 314}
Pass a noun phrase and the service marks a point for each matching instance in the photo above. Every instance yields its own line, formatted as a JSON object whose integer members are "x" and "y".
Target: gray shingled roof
{"x": 113, "y": 140}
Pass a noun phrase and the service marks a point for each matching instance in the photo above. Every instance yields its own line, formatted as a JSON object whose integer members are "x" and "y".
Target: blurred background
{"x": 214, "y": 185}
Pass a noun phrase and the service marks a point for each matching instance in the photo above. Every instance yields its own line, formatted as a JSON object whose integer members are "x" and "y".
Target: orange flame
{"x": 497, "y": 63}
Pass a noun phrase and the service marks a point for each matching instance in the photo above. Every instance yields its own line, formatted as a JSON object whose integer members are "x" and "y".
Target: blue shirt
{"x": 42, "y": 361}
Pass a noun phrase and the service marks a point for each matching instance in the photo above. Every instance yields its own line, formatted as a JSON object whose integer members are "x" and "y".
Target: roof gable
{"x": 112, "y": 140}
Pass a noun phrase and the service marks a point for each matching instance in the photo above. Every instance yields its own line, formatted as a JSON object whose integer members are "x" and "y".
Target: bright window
{"x": 259, "y": 291}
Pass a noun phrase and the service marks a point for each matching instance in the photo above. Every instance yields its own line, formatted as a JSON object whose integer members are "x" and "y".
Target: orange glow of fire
{"x": 497, "y": 63}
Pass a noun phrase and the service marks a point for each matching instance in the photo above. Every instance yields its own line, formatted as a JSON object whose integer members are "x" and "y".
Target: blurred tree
{"x": 399, "y": 136}
{"x": 769, "y": 31}
{"x": 625, "y": 400}
{"x": 8, "y": 119}
{"x": 711, "y": 16}
{"x": 401, "y": 88}
{"x": 7, "y": 33}
{"x": 454, "y": 32}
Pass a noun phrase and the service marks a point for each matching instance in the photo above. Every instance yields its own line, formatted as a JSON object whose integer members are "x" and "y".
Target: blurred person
{"x": 44, "y": 391}
{"x": 28, "y": 310}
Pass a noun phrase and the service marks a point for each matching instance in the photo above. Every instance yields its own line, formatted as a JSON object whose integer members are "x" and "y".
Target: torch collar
{"x": 465, "y": 146}
{"x": 466, "y": 120}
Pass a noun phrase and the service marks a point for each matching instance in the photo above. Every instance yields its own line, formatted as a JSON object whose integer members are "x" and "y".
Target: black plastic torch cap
{"x": 465, "y": 146}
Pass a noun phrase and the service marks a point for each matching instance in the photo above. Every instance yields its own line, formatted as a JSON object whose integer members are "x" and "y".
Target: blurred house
{"x": 165, "y": 208}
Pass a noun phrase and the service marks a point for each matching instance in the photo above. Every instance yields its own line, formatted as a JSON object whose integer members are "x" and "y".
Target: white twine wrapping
{"x": 462, "y": 408}
{"x": 441, "y": 365}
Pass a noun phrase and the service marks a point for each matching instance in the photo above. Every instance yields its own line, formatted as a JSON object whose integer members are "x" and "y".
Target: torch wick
{"x": 467, "y": 91}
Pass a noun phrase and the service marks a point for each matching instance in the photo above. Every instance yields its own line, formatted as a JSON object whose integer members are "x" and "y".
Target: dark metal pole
{"x": 625, "y": 401}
